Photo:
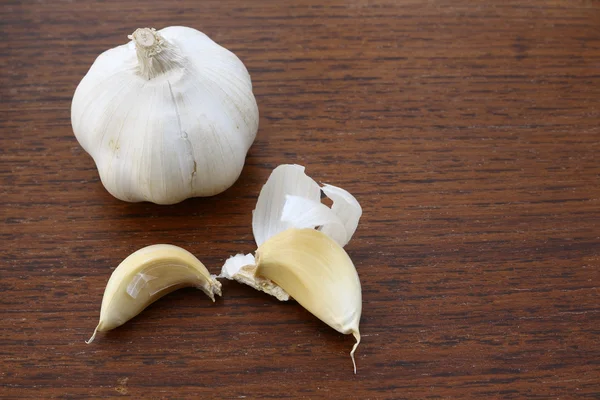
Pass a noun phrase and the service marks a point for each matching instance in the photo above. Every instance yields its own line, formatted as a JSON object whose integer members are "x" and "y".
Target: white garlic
{"x": 168, "y": 116}
{"x": 147, "y": 275}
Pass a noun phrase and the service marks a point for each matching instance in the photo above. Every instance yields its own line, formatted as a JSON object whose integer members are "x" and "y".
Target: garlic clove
{"x": 284, "y": 180}
{"x": 147, "y": 275}
{"x": 291, "y": 199}
{"x": 346, "y": 207}
{"x": 317, "y": 272}
{"x": 307, "y": 264}
{"x": 242, "y": 268}
{"x": 301, "y": 213}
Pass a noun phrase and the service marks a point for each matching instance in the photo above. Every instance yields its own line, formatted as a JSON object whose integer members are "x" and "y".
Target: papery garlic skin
{"x": 292, "y": 199}
{"x": 242, "y": 268}
{"x": 168, "y": 116}
{"x": 147, "y": 275}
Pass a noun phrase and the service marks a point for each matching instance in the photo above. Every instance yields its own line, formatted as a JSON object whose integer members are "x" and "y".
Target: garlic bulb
{"x": 168, "y": 116}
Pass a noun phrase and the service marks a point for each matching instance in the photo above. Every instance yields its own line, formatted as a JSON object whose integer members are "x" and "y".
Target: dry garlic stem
{"x": 147, "y": 275}
{"x": 155, "y": 55}
{"x": 316, "y": 271}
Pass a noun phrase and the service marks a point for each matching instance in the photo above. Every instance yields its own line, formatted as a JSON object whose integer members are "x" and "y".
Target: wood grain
{"x": 469, "y": 131}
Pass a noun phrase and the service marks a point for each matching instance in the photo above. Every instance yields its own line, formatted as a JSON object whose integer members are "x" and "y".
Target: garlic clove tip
{"x": 90, "y": 340}
{"x": 356, "y": 335}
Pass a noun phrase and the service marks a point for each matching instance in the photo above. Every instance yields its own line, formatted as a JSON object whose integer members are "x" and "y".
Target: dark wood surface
{"x": 468, "y": 130}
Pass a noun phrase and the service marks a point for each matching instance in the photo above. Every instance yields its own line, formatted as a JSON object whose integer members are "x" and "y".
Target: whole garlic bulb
{"x": 168, "y": 116}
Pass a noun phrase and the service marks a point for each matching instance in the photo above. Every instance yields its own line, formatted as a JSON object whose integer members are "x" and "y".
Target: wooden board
{"x": 468, "y": 130}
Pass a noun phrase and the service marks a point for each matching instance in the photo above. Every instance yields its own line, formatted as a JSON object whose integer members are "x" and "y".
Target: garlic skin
{"x": 168, "y": 116}
{"x": 285, "y": 180}
{"x": 242, "y": 268}
{"x": 292, "y": 199}
{"x": 318, "y": 274}
{"x": 147, "y": 275}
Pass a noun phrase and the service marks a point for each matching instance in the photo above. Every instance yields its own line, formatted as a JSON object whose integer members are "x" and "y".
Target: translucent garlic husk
{"x": 168, "y": 116}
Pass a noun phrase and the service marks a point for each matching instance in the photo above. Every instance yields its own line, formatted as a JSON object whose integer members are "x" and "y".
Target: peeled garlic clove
{"x": 242, "y": 268}
{"x": 147, "y": 275}
{"x": 168, "y": 116}
{"x": 318, "y": 274}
